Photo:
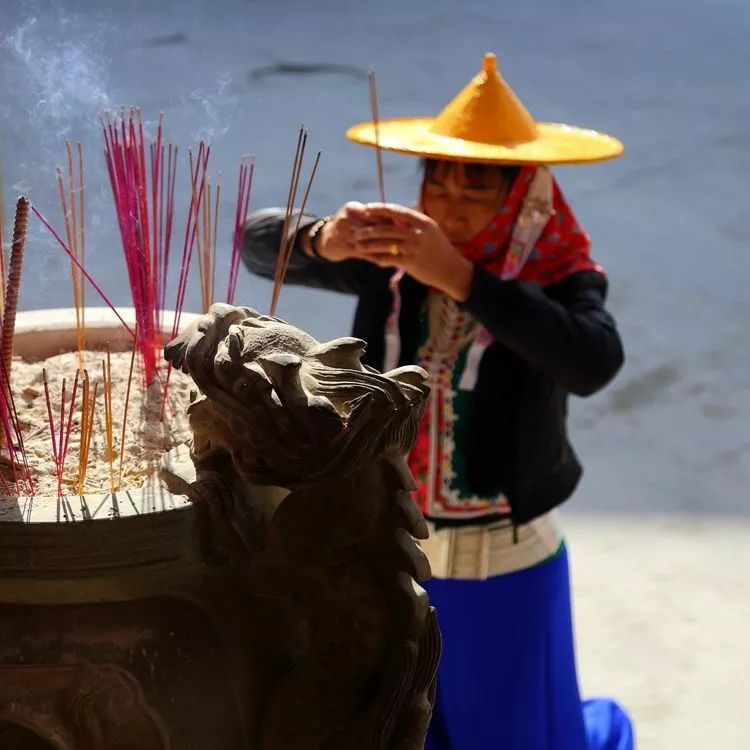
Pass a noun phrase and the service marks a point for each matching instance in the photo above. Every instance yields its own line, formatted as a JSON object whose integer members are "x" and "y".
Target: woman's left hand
{"x": 399, "y": 237}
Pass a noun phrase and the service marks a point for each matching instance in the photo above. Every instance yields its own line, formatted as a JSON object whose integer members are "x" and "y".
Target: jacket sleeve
{"x": 261, "y": 249}
{"x": 562, "y": 329}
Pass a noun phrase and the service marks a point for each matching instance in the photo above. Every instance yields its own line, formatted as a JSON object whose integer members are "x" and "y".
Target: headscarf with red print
{"x": 562, "y": 248}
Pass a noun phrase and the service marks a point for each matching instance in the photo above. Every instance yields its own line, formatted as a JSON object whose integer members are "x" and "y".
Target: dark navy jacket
{"x": 549, "y": 342}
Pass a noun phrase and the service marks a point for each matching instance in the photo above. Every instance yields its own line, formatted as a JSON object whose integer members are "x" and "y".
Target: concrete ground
{"x": 662, "y": 606}
{"x": 659, "y": 525}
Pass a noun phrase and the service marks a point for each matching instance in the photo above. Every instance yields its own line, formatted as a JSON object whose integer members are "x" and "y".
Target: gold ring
{"x": 393, "y": 249}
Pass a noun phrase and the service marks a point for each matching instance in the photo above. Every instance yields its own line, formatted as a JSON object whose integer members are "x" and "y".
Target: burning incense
{"x": 88, "y": 407}
{"x": 12, "y": 428}
{"x": 287, "y": 247}
{"x": 78, "y": 265}
{"x": 6, "y": 418}
{"x": 291, "y": 197}
{"x": 296, "y": 165}
{"x": 68, "y": 429}
{"x": 107, "y": 393}
{"x": 244, "y": 189}
{"x": 166, "y": 223}
{"x": 290, "y": 245}
{"x": 50, "y": 417}
{"x": 215, "y": 236}
{"x": 376, "y": 126}
{"x": 75, "y": 231}
{"x": 191, "y": 227}
{"x": 61, "y": 441}
{"x": 125, "y": 413}
{"x": 207, "y": 222}
{"x": 145, "y": 218}
{"x": 20, "y": 228}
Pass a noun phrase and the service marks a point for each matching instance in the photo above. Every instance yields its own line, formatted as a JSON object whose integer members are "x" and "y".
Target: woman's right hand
{"x": 336, "y": 239}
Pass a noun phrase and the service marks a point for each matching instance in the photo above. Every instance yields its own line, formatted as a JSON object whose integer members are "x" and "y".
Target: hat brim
{"x": 555, "y": 143}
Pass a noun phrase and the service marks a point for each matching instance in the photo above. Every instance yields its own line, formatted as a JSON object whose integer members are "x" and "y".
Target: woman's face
{"x": 462, "y": 199}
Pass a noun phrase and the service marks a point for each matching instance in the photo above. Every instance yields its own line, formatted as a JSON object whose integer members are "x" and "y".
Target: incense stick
{"x": 215, "y": 238}
{"x": 107, "y": 394}
{"x": 376, "y": 127}
{"x": 145, "y": 219}
{"x": 82, "y": 250}
{"x": 9, "y": 416}
{"x": 81, "y": 268}
{"x": 74, "y": 217}
{"x": 125, "y": 415}
{"x": 68, "y": 430}
{"x": 51, "y": 420}
{"x": 88, "y": 407}
{"x": 244, "y": 190}
{"x": 191, "y": 227}
{"x": 5, "y": 418}
{"x": 204, "y": 234}
{"x": 293, "y": 238}
{"x": 82, "y": 441}
{"x": 60, "y": 439}
{"x": 291, "y": 197}
{"x": 60, "y": 443}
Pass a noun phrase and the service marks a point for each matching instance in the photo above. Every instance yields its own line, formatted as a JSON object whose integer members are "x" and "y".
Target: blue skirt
{"x": 507, "y": 677}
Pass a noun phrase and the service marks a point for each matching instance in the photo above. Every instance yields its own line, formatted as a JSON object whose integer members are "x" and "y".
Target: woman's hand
{"x": 394, "y": 236}
{"x": 336, "y": 240}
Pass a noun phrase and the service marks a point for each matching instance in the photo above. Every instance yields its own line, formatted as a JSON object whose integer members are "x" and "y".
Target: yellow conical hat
{"x": 487, "y": 123}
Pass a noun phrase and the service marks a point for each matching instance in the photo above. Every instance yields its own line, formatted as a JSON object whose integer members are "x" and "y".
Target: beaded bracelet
{"x": 312, "y": 235}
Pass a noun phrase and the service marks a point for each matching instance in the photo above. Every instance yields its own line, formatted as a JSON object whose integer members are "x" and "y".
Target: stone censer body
{"x": 267, "y": 600}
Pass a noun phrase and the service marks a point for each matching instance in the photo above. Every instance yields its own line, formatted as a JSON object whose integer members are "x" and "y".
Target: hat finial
{"x": 490, "y": 63}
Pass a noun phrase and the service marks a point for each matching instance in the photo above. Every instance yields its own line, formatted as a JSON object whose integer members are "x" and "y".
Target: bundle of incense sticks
{"x": 14, "y": 443}
{"x": 207, "y": 226}
{"x": 61, "y": 440}
{"x": 74, "y": 213}
{"x": 244, "y": 189}
{"x": 198, "y": 181}
{"x": 88, "y": 409}
{"x": 143, "y": 195}
{"x": 145, "y": 220}
{"x": 60, "y": 431}
{"x": 288, "y": 239}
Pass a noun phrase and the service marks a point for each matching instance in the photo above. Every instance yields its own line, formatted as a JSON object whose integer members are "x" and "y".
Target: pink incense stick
{"x": 81, "y": 268}
{"x": 9, "y": 415}
{"x": 191, "y": 227}
{"x": 49, "y": 416}
{"x": 69, "y": 427}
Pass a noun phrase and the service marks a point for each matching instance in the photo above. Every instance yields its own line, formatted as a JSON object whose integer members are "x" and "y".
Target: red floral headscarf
{"x": 562, "y": 249}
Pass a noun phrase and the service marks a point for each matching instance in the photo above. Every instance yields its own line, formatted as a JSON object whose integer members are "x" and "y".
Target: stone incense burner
{"x": 268, "y": 600}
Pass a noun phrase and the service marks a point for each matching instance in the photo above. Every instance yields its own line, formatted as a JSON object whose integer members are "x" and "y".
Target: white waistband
{"x": 478, "y": 552}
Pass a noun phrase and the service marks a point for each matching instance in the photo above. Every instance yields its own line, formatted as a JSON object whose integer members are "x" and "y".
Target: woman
{"x": 490, "y": 287}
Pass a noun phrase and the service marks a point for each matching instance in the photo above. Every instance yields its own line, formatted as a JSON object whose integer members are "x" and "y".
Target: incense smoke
{"x": 65, "y": 78}
{"x": 213, "y": 105}
{"x": 55, "y": 81}
{"x": 61, "y": 72}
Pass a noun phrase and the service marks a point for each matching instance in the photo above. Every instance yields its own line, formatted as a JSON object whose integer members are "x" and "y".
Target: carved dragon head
{"x": 288, "y": 409}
